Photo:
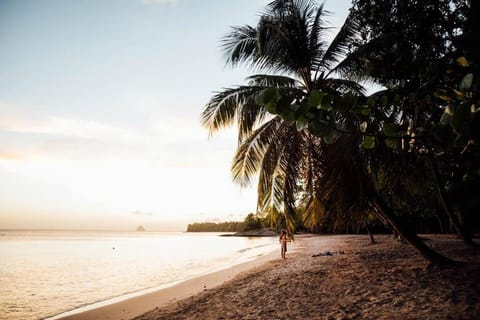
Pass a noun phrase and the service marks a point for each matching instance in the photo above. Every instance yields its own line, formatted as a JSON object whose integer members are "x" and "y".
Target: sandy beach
{"x": 388, "y": 280}
{"x": 324, "y": 277}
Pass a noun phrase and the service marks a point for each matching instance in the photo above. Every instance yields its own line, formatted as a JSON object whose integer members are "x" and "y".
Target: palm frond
{"x": 240, "y": 45}
{"x": 249, "y": 155}
{"x": 283, "y": 36}
{"x": 314, "y": 213}
{"x": 267, "y": 80}
{"x": 269, "y": 190}
{"x": 341, "y": 44}
{"x": 355, "y": 65}
{"x": 221, "y": 110}
{"x": 317, "y": 32}
{"x": 344, "y": 86}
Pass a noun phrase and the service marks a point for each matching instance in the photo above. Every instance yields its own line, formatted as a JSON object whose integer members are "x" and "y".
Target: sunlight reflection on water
{"x": 47, "y": 272}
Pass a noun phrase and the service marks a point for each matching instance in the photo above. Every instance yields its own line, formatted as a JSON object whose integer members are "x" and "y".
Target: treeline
{"x": 230, "y": 226}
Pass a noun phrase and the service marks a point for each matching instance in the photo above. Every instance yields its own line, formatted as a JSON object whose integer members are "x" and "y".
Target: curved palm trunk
{"x": 370, "y": 234}
{"x": 428, "y": 253}
{"x": 455, "y": 219}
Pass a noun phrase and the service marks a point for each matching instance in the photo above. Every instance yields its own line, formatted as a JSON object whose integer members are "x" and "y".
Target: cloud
{"x": 5, "y": 155}
{"x": 160, "y": 136}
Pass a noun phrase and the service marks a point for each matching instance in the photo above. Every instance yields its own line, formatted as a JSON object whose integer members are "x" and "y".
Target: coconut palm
{"x": 288, "y": 50}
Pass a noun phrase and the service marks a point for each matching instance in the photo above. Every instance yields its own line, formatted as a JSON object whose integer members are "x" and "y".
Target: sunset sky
{"x": 99, "y": 113}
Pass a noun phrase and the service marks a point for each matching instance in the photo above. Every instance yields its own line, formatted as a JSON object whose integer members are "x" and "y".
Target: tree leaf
{"x": 315, "y": 98}
{"x": 463, "y": 62}
{"x": 319, "y": 128}
{"x": 267, "y": 95}
{"x": 461, "y": 118}
{"x": 466, "y": 82}
{"x": 363, "y": 126}
{"x": 445, "y": 119}
{"x": 368, "y": 142}
{"x": 391, "y": 143}
{"x": 392, "y": 130}
{"x": 365, "y": 110}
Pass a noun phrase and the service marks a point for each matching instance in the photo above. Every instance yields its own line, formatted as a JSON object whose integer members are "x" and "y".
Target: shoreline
{"x": 131, "y": 305}
{"x": 344, "y": 277}
{"x": 323, "y": 277}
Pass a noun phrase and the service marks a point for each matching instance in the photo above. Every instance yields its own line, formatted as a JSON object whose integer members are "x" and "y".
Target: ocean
{"x": 45, "y": 273}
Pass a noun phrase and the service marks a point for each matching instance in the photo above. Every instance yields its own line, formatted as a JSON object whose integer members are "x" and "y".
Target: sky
{"x": 100, "y": 106}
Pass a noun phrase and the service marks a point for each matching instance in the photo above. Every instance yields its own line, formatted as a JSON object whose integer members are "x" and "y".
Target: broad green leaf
{"x": 396, "y": 98}
{"x": 302, "y": 109}
{"x": 463, "y": 62}
{"x": 346, "y": 103}
{"x": 268, "y": 95}
{"x": 271, "y": 107}
{"x": 466, "y": 82}
{"x": 283, "y": 103}
{"x": 392, "y": 130}
{"x": 461, "y": 118}
{"x": 448, "y": 110}
{"x": 474, "y": 133}
{"x": 288, "y": 115}
{"x": 391, "y": 143}
{"x": 301, "y": 122}
{"x": 368, "y": 142}
{"x": 363, "y": 126}
{"x": 445, "y": 119}
{"x": 384, "y": 100}
{"x": 371, "y": 102}
{"x": 327, "y": 102}
{"x": 460, "y": 95}
{"x": 412, "y": 97}
{"x": 315, "y": 98}
{"x": 331, "y": 137}
{"x": 309, "y": 115}
{"x": 319, "y": 128}
{"x": 365, "y": 110}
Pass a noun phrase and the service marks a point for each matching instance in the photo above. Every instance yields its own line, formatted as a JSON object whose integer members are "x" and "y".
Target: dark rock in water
{"x": 140, "y": 228}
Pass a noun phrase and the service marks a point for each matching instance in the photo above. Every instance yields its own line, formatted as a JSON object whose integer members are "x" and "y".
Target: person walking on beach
{"x": 283, "y": 243}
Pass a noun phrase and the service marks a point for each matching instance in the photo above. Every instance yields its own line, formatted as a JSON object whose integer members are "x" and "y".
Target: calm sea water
{"x": 44, "y": 273}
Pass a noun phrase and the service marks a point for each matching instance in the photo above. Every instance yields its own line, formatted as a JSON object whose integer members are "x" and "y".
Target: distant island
{"x": 140, "y": 228}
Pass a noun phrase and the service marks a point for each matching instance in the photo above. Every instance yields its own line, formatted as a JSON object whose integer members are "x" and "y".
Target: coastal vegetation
{"x": 229, "y": 226}
{"x": 328, "y": 155}
{"x": 251, "y": 222}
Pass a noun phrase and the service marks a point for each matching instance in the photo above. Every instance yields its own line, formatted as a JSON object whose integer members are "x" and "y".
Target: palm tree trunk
{"x": 370, "y": 234}
{"x": 455, "y": 219}
{"x": 428, "y": 253}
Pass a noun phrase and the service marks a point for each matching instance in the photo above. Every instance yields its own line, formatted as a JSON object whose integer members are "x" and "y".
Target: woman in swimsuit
{"x": 283, "y": 243}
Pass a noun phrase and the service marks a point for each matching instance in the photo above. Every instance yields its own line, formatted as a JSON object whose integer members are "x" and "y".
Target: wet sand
{"x": 343, "y": 277}
{"x": 128, "y": 307}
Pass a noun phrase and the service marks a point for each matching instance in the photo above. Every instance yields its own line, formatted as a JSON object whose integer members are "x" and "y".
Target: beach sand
{"x": 325, "y": 277}
{"x": 388, "y": 280}
{"x": 130, "y": 306}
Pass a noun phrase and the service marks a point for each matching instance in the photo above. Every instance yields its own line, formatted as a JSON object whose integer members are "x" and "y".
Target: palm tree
{"x": 288, "y": 50}
{"x": 287, "y": 47}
